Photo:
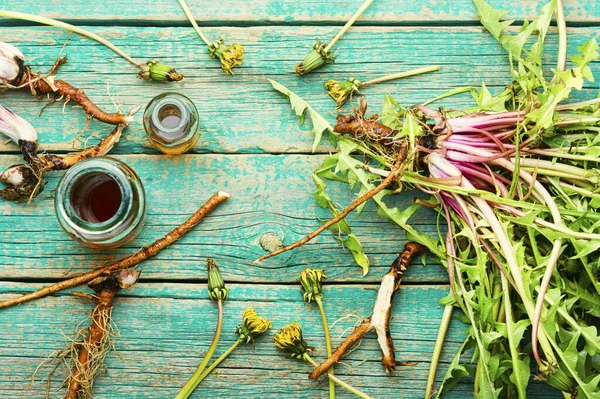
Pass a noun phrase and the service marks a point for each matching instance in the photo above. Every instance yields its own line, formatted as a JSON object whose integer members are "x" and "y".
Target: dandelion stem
{"x": 352, "y": 20}
{"x": 561, "y": 62}
{"x": 437, "y": 349}
{"x": 188, "y": 13}
{"x": 341, "y": 383}
{"x": 319, "y": 301}
{"x": 218, "y": 361}
{"x": 73, "y": 28}
{"x": 401, "y": 75}
{"x": 193, "y": 382}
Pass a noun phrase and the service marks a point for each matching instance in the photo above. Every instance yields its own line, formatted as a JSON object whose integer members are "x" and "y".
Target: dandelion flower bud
{"x": 229, "y": 55}
{"x": 311, "y": 281}
{"x": 315, "y": 59}
{"x": 340, "y": 92}
{"x": 154, "y": 70}
{"x": 290, "y": 339}
{"x": 216, "y": 285}
{"x": 253, "y": 326}
{"x": 11, "y": 64}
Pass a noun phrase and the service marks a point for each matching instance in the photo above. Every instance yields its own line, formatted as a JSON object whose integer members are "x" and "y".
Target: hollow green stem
{"x": 437, "y": 349}
{"x": 341, "y": 383}
{"x": 319, "y": 300}
{"x": 401, "y": 75}
{"x": 218, "y": 361}
{"x": 193, "y": 382}
{"x": 561, "y": 62}
{"x": 352, "y": 20}
{"x": 73, "y": 28}
{"x": 188, "y": 13}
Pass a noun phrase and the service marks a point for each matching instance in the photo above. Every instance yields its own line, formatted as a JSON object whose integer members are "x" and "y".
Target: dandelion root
{"x": 130, "y": 261}
{"x": 355, "y": 204}
{"x": 380, "y": 319}
{"x": 39, "y": 85}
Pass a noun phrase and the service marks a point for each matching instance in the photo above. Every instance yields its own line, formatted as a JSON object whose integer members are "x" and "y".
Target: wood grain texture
{"x": 165, "y": 328}
{"x": 228, "y": 105}
{"x": 269, "y": 194}
{"x": 252, "y": 147}
{"x": 166, "y": 12}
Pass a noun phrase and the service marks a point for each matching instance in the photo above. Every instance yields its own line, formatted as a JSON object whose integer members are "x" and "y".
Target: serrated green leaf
{"x": 491, "y": 18}
{"x": 300, "y": 106}
{"x": 355, "y": 247}
{"x": 342, "y": 228}
{"x": 456, "y": 371}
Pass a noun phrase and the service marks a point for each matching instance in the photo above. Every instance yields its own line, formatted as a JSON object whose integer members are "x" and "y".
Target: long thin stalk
{"x": 188, "y": 13}
{"x": 561, "y": 63}
{"x": 73, "y": 28}
{"x": 352, "y": 20}
{"x": 437, "y": 349}
{"x": 401, "y": 75}
{"x": 218, "y": 361}
{"x": 193, "y": 382}
{"x": 341, "y": 383}
{"x": 319, "y": 301}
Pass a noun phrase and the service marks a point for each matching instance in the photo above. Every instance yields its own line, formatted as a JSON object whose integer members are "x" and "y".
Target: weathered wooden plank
{"x": 163, "y": 12}
{"x": 165, "y": 328}
{"x": 228, "y": 105}
{"x": 269, "y": 194}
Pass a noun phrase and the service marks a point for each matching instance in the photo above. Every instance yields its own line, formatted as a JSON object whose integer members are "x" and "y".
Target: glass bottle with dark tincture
{"x": 100, "y": 203}
{"x": 171, "y": 123}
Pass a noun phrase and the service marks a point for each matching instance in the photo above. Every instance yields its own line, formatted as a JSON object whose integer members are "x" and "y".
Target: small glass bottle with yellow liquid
{"x": 171, "y": 123}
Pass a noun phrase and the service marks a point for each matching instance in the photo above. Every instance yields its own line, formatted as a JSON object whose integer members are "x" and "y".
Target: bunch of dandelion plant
{"x": 321, "y": 53}
{"x": 515, "y": 182}
{"x": 230, "y": 55}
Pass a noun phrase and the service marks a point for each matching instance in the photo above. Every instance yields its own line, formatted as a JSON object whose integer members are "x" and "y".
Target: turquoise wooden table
{"x": 252, "y": 147}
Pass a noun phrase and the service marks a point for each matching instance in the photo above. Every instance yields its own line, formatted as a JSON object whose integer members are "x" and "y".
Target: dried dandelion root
{"x": 57, "y": 162}
{"x": 92, "y": 351}
{"x": 360, "y": 127}
{"x": 49, "y": 85}
{"x": 401, "y": 156}
{"x": 380, "y": 319}
{"x": 26, "y": 181}
{"x": 130, "y": 261}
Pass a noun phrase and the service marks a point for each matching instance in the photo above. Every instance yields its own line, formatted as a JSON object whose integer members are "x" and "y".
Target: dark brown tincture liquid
{"x": 96, "y": 197}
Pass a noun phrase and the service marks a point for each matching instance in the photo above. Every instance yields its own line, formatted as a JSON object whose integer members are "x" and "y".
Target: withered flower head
{"x": 289, "y": 338}
{"x": 230, "y": 55}
{"x": 315, "y": 59}
{"x": 311, "y": 281}
{"x": 11, "y": 64}
{"x": 154, "y": 70}
{"x": 216, "y": 285}
{"x": 340, "y": 92}
{"x": 253, "y": 325}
